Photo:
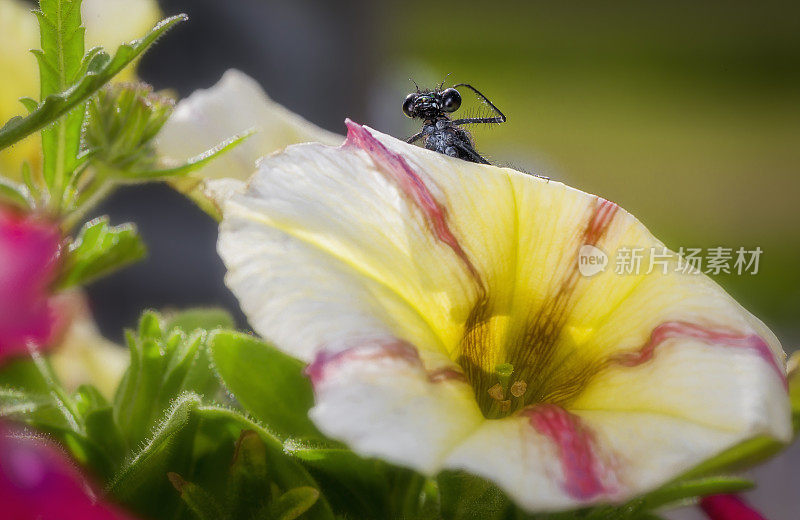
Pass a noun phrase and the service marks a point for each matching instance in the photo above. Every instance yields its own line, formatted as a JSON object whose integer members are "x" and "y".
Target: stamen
{"x": 519, "y": 388}
{"x": 505, "y": 405}
{"x": 496, "y": 392}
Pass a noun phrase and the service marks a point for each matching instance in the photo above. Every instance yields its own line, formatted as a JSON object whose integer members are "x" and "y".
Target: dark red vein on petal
{"x": 367, "y": 350}
{"x": 601, "y": 220}
{"x": 412, "y": 186}
{"x": 682, "y": 329}
{"x": 584, "y": 473}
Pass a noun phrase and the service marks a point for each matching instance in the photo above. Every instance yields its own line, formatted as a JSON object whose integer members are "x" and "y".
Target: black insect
{"x": 442, "y": 134}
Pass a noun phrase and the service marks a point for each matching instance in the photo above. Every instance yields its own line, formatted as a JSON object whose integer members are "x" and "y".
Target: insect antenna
{"x": 441, "y": 85}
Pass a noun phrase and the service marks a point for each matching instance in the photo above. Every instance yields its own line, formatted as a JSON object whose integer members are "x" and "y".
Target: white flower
{"x": 446, "y": 324}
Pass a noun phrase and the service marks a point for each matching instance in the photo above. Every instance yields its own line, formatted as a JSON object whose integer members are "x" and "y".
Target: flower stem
{"x": 63, "y": 402}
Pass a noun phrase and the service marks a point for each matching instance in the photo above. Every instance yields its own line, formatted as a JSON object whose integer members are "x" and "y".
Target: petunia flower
{"x": 728, "y": 507}
{"x": 108, "y": 23}
{"x": 447, "y": 325}
{"x": 29, "y": 253}
{"x": 39, "y": 482}
{"x": 235, "y": 105}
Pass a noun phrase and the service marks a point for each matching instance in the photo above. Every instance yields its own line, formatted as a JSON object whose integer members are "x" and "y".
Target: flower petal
{"x": 38, "y": 481}
{"x": 236, "y": 104}
{"x": 29, "y": 253}
{"x": 551, "y": 459}
{"x": 728, "y": 507}
{"x": 341, "y": 231}
{"x": 18, "y": 34}
{"x": 720, "y": 383}
{"x": 377, "y": 396}
{"x": 83, "y": 355}
{"x": 110, "y": 23}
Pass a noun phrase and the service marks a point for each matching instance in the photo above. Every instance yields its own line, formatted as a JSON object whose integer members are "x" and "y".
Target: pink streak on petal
{"x": 412, "y": 186}
{"x": 728, "y": 507}
{"x": 325, "y": 363}
{"x": 29, "y": 254}
{"x": 682, "y": 329}
{"x": 39, "y": 482}
{"x": 603, "y": 215}
{"x": 446, "y": 374}
{"x": 583, "y": 470}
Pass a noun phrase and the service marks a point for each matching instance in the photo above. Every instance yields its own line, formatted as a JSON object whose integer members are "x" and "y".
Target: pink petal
{"x": 29, "y": 254}
{"x": 39, "y": 482}
{"x": 728, "y": 507}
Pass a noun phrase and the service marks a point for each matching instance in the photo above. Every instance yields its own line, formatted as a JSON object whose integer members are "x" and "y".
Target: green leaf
{"x": 284, "y": 471}
{"x": 99, "y": 71}
{"x": 102, "y": 430}
{"x": 62, "y": 44}
{"x": 60, "y": 61}
{"x": 200, "y": 501}
{"x": 23, "y": 375}
{"x": 88, "y": 399}
{"x": 292, "y": 504}
{"x": 206, "y": 318}
{"x": 147, "y": 465}
{"x": 164, "y": 363}
{"x": 47, "y": 411}
{"x": 15, "y": 194}
{"x": 688, "y": 489}
{"x": 268, "y": 383}
{"x": 32, "y": 394}
{"x": 738, "y": 458}
{"x": 99, "y": 250}
{"x": 29, "y": 103}
{"x": 359, "y": 485}
{"x": 14, "y": 402}
{"x": 191, "y": 165}
{"x": 466, "y": 497}
{"x": 248, "y": 485}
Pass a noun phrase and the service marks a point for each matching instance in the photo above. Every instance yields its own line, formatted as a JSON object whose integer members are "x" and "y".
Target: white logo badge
{"x": 591, "y": 260}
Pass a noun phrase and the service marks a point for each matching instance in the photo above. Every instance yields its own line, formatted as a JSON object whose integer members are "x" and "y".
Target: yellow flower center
{"x": 512, "y": 364}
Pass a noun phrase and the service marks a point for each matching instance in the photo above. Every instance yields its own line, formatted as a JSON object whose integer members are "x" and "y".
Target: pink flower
{"x": 728, "y": 507}
{"x": 29, "y": 253}
{"x": 38, "y": 481}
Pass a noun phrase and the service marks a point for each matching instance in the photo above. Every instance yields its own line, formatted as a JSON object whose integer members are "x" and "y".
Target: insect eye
{"x": 408, "y": 104}
{"x": 451, "y": 100}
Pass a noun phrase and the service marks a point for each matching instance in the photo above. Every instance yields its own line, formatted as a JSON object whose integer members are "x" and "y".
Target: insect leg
{"x": 471, "y": 153}
{"x": 500, "y": 119}
{"x": 417, "y": 136}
